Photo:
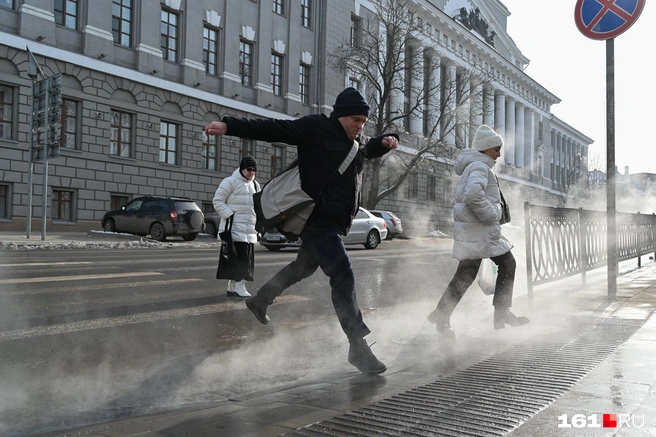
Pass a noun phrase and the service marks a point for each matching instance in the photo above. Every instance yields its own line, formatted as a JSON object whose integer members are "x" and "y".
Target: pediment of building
{"x": 486, "y": 19}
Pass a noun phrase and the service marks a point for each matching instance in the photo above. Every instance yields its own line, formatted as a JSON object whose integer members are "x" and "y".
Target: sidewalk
{"x": 582, "y": 355}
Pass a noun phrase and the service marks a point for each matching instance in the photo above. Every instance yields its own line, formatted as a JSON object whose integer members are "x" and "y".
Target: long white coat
{"x": 477, "y": 209}
{"x": 235, "y": 196}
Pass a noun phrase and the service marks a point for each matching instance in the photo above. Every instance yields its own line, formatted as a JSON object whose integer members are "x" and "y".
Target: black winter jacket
{"x": 322, "y": 146}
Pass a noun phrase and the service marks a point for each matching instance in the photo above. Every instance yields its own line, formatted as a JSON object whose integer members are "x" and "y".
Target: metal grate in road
{"x": 490, "y": 398}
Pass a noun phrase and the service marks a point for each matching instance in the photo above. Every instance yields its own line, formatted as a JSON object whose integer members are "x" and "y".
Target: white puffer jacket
{"x": 477, "y": 209}
{"x": 235, "y": 196}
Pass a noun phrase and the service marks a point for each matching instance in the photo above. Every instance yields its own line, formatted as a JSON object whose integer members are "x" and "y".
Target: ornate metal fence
{"x": 562, "y": 242}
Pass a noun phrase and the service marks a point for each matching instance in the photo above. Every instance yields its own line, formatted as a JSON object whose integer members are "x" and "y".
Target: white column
{"x": 449, "y": 117}
{"x": 519, "y": 135}
{"x": 477, "y": 108}
{"x": 510, "y": 131}
{"x": 434, "y": 106}
{"x": 397, "y": 98}
{"x": 488, "y": 106}
{"x": 529, "y": 154}
{"x": 500, "y": 121}
{"x": 416, "y": 85}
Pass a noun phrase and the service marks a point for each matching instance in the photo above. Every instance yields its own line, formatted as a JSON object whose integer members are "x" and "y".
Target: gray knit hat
{"x": 248, "y": 161}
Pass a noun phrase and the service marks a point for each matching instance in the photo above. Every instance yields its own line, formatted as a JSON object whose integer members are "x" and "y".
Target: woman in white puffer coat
{"x": 477, "y": 234}
{"x": 234, "y": 197}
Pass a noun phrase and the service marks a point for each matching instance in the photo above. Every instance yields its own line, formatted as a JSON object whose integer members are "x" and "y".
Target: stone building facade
{"x": 140, "y": 80}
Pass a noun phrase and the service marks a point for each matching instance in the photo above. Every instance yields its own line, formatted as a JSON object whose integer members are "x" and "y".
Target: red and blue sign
{"x": 605, "y": 19}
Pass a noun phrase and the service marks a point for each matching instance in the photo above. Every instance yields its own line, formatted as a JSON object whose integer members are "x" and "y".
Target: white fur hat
{"x": 486, "y": 138}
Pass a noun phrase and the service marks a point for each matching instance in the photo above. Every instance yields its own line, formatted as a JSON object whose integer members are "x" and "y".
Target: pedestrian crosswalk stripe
{"x": 75, "y": 278}
{"x": 155, "y": 316}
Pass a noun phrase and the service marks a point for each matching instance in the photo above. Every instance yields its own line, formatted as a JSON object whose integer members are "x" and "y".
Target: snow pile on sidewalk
{"x": 122, "y": 244}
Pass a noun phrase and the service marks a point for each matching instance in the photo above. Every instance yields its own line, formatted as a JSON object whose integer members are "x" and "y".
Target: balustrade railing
{"x": 562, "y": 242}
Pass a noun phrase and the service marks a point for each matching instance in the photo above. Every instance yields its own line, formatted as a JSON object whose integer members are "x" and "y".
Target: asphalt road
{"x": 93, "y": 335}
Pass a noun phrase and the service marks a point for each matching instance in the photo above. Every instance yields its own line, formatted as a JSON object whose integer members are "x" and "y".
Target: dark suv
{"x": 158, "y": 216}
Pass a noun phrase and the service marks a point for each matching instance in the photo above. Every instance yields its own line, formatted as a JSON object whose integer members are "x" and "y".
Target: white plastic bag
{"x": 487, "y": 276}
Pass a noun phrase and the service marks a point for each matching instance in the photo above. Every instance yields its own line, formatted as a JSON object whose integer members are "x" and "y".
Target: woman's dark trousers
{"x": 325, "y": 249}
{"x": 465, "y": 276}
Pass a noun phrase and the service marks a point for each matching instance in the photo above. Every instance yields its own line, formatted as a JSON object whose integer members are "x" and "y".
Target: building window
{"x": 169, "y": 39}
{"x": 210, "y": 46}
{"x": 117, "y": 201}
{"x": 246, "y": 147}
{"x": 168, "y": 141}
{"x": 208, "y": 152}
{"x": 276, "y": 74}
{"x": 120, "y": 142}
{"x": 122, "y": 22}
{"x": 4, "y": 202}
{"x": 66, "y": 13}
{"x": 430, "y": 188}
{"x": 304, "y": 84}
{"x": 446, "y": 194}
{"x": 68, "y": 124}
{"x": 245, "y": 62}
{"x": 305, "y": 13}
{"x": 413, "y": 185}
{"x": 62, "y": 205}
{"x": 353, "y": 82}
{"x": 355, "y": 31}
{"x": 277, "y": 160}
{"x": 279, "y": 7}
{"x": 6, "y": 111}
{"x": 6, "y": 4}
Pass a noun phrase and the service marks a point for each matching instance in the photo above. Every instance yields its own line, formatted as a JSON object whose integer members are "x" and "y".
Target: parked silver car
{"x": 394, "y": 227}
{"x": 366, "y": 229}
{"x": 212, "y": 221}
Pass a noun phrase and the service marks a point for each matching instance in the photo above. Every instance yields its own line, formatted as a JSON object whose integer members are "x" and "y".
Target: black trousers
{"x": 323, "y": 249}
{"x": 245, "y": 261}
{"x": 465, "y": 276}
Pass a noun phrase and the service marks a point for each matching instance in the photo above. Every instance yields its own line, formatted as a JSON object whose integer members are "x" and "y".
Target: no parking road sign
{"x": 605, "y": 19}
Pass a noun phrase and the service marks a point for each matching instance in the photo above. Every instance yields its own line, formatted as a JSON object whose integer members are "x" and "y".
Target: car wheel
{"x": 373, "y": 239}
{"x": 190, "y": 237}
{"x": 273, "y": 248}
{"x": 157, "y": 232}
{"x": 211, "y": 229}
{"x": 109, "y": 225}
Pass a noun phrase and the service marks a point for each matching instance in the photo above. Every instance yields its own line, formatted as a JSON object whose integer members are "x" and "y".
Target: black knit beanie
{"x": 248, "y": 161}
{"x": 350, "y": 102}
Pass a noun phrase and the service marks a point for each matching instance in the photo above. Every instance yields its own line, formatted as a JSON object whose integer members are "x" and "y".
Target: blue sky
{"x": 573, "y": 67}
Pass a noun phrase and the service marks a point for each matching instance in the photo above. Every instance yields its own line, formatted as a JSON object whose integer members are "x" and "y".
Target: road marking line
{"x": 113, "y": 322}
{"x": 75, "y": 278}
{"x": 100, "y": 287}
{"x": 48, "y": 264}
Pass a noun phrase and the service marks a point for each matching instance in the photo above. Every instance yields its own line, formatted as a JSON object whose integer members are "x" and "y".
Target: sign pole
{"x": 46, "y": 152}
{"x": 611, "y": 235}
{"x": 28, "y": 234}
{"x": 605, "y": 20}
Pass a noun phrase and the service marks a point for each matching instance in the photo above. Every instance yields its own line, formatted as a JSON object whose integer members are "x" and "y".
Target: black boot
{"x": 360, "y": 356}
{"x": 443, "y": 325}
{"x": 503, "y": 315}
{"x": 259, "y": 308}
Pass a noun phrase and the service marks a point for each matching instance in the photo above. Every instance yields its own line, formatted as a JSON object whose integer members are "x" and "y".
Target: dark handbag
{"x": 505, "y": 211}
{"x": 228, "y": 254}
